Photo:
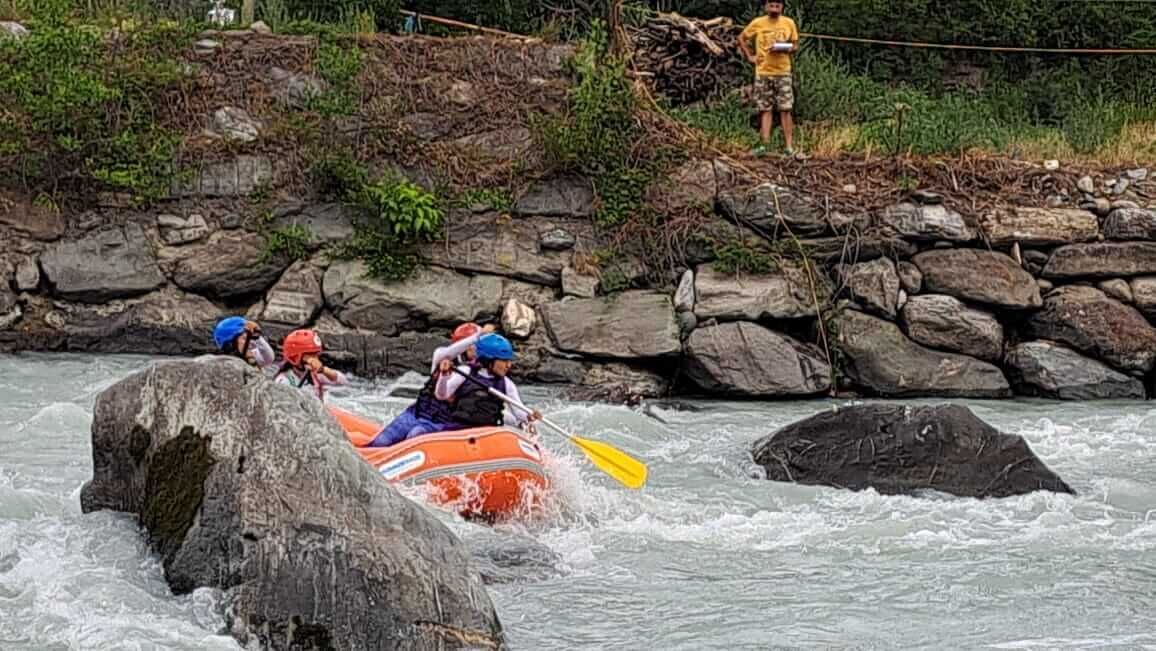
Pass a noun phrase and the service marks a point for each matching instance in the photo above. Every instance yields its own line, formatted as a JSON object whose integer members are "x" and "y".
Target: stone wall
{"x": 920, "y": 298}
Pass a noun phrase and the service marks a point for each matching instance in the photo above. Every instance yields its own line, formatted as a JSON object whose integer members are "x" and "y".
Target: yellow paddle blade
{"x": 614, "y": 462}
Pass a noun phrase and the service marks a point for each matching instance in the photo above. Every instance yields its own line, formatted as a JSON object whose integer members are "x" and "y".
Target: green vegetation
{"x": 291, "y": 242}
{"x": 351, "y": 15}
{"x": 740, "y": 257}
{"x": 598, "y": 135}
{"x": 494, "y": 199}
{"x": 397, "y": 217}
{"x": 339, "y": 65}
{"x": 81, "y": 106}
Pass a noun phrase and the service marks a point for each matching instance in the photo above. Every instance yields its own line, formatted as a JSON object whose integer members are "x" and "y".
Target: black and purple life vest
{"x": 473, "y": 405}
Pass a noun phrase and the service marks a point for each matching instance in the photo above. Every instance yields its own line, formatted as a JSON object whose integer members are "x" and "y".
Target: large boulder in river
{"x": 947, "y": 323}
{"x": 746, "y": 359}
{"x": 1087, "y": 320}
{"x": 432, "y": 296}
{"x": 115, "y": 262}
{"x": 1102, "y": 260}
{"x": 981, "y": 276}
{"x": 262, "y": 496}
{"x": 881, "y": 359}
{"x": 904, "y": 449}
{"x": 1049, "y": 370}
{"x": 781, "y": 294}
{"x": 628, "y": 325}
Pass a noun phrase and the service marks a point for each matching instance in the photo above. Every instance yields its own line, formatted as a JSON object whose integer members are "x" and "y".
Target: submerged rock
{"x": 262, "y": 497}
{"x": 903, "y": 449}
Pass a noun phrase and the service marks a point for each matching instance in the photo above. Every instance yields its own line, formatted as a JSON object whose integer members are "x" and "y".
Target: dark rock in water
{"x": 510, "y": 558}
{"x": 899, "y": 449}
{"x": 618, "y": 384}
{"x": 1042, "y": 368}
{"x": 260, "y": 495}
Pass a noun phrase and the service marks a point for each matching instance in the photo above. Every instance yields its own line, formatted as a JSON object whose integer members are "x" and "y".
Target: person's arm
{"x": 262, "y": 352}
{"x": 744, "y": 43}
{"x": 521, "y": 417}
{"x": 452, "y": 351}
{"x": 449, "y": 383}
{"x": 332, "y": 377}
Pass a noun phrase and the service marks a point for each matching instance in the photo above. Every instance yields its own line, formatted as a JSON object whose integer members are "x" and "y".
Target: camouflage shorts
{"x": 774, "y": 94}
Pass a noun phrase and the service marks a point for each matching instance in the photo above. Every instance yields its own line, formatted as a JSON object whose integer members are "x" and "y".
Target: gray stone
{"x": 684, "y": 295}
{"x": 632, "y": 324}
{"x": 206, "y": 45}
{"x": 1130, "y": 224}
{"x": 508, "y": 144}
{"x": 905, "y": 449}
{"x": 559, "y": 197}
{"x": 462, "y": 93}
{"x": 693, "y": 185}
{"x": 746, "y": 359}
{"x": 231, "y": 221}
{"x": 327, "y": 223}
{"x": 230, "y": 264}
{"x": 1102, "y": 260}
{"x": 491, "y": 245}
{"x": 910, "y": 277}
{"x": 177, "y": 230}
{"x": 769, "y": 208}
{"x": 559, "y": 371}
{"x": 982, "y": 276}
{"x": 1138, "y": 174}
{"x": 1039, "y": 226}
{"x": 164, "y": 322}
{"x": 946, "y": 323}
{"x": 915, "y": 222}
{"x": 927, "y": 197}
{"x": 40, "y": 222}
{"x": 578, "y": 284}
{"x": 1121, "y": 187}
{"x": 1120, "y": 204}
{"x": 518, "y": 319}
{"x": 882, "y": 360}
{"x": 902, "y": 300}
{"x": 110, "y": 263}
{"x": 1034, "y": 261}
{"x": 433, "y": 296}
{"x": 1044, "y": 284}
{"x": 233, "y": 178}
{"x": 783, "y": 294}
{"x": 1143, "y": 292}
{"x": 557, "y": 240}
{"x": 1087, "y": 320}
{"x": 296, "y": 298}
{"x": 13, "y": 30}
{"x": 27, "y": 275}
{"x": 295, "y": 89}
{"x": 618, "y": 383}
{"x": 260, "y": 27}
{"x": 1048, "y": 370}
{"x": 1101, "y": 206}
{"x": 1116, "y": 288}
{"x": 10, "y": 310}
{"x": 427, "y": 126}
{"x": 235, "y": 124}
{"x": 1086, "y": 185}
{"x": 528, "y": 293}
{"x": 341, "y": 556}
{"x": 874, "y": 285}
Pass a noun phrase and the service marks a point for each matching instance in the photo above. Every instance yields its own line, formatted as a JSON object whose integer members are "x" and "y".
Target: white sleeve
{"x": 449, "y": 383}
{"x": 452, "y": 351}
{"x": 340, "y": 381}
{"x": 262, "y": 352}
{"x": 520, "y": 416}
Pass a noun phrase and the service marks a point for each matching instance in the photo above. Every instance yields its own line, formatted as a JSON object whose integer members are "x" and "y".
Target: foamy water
{"x": 707, "y": 556}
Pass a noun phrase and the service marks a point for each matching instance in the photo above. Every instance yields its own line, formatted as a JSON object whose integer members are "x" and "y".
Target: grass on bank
{"x": 838, "y": 111}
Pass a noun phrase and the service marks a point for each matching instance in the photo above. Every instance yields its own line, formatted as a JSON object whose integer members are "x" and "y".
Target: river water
{"x": 707, "y": 556}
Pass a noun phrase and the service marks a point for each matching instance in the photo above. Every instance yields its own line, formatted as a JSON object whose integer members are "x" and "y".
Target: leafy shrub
{"x": 291, "y": 241}
{"x": 397, "y": 217}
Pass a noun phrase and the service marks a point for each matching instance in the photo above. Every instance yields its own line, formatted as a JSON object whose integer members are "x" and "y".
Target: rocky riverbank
{"x": 926, "y": 295}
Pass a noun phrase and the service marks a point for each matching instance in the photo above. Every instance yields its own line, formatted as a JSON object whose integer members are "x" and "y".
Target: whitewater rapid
{"x": 707, "y": 556}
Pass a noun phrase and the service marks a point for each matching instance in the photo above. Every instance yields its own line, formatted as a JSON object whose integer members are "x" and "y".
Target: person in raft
{"x": 303, "y": 366}
{"x": 241, "y": 338}
{"x": 428, "y": 414}
{"x": 473, "y": 404}
{"x": 776, "y": 39}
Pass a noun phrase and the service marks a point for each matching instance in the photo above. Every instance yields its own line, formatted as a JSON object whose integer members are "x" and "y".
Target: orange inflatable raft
{"x": 491, "y": 473}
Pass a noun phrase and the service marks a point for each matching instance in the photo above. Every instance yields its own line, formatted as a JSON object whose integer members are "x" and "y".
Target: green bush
{"x": 339, "y": 65}
{"x": 291, "y": 242}
{"x": 386, "y": 13}
{"x": 336, "y": 174}
{"x": 397, "y": 217}
{"x": 80, "y": 104}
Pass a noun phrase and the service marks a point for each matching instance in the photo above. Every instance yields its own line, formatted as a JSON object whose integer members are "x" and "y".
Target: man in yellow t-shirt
{"x": 775, "y": 39}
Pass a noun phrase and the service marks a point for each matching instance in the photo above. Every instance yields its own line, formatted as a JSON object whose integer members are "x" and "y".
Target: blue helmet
{"x": 228, "y": 330}
{"x": 494, "y": 347}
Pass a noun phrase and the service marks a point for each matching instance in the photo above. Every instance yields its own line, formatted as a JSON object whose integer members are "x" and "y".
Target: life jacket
{"x": 288, "y": 371}
{"x": 473, "y": 405}
{"x": 429, "y": 407}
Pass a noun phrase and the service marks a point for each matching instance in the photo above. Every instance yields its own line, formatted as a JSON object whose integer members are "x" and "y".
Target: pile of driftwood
{"x": 687, "y": 61}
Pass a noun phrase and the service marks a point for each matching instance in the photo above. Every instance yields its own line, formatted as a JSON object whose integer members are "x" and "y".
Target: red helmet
{"x": 463, "y": 331}
{"x": 300, "y": 343}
